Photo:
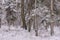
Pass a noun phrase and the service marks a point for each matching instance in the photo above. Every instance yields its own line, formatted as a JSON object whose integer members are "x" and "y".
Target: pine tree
{"x": 10, "y": 17}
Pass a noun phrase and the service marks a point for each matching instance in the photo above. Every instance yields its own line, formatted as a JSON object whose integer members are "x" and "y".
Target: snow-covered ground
{"x": 21, "y": 34}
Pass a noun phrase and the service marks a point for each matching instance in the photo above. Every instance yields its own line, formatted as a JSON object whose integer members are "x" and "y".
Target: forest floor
{"x": 21, "y": 34}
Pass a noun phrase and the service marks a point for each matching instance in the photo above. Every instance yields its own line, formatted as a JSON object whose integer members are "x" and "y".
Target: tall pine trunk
{"x": 23, "y": 15}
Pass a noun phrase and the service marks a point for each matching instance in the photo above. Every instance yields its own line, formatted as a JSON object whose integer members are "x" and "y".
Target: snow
{"x": 18, "y": 33}
{"x": 21, "y": 34}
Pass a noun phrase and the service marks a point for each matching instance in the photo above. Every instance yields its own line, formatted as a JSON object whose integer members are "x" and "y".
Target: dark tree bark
{"x": 29, "y": 12}
{"x": 23, "y": 15}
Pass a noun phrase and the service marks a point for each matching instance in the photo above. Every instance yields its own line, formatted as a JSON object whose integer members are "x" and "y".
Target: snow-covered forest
{"x": 29, "y": 19}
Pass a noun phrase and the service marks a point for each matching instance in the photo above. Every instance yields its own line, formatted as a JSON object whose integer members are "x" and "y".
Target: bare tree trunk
{"x": 0, "y": 22}
{"x": 52, "y": 15}
{"x": 29, "y": 11}
{"x": 23, "y": 15}
{"x": 36, "y": 32}
{"x": 36, "y": 25}
{"x": 29, "y": 28}
{"x": 52, "y": 28}
{"x": 30, "y": 3}
{"x": 34, "y": 16}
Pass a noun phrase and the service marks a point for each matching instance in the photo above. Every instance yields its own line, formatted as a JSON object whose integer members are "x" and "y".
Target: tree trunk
{"x": 36, "y": 32}
{"x": 52, "y": 28}
{"x": 52, "y": 15}
{"x": 23, "y": 15}
{"x": 30, "y": 3}
{"x": 29, "y": 11}
{"x": 0, "y": 22}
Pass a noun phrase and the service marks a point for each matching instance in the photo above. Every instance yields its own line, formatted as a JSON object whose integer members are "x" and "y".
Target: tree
{"x": 0, "y": 16}
{"x": 52, "y": 15}
{"x": 10, "y": 16}
{"x": 29, "y": 11}
{"x": 35, "y": 21}
{"x": 23, "y": 15}
{"x": 0, "y": 22}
